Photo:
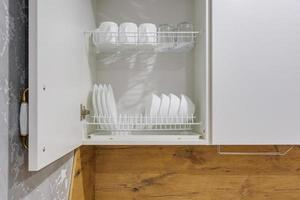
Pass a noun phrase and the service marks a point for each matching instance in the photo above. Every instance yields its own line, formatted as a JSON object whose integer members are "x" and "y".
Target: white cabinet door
{"x": 256, "y": 71}
{"x": 58, "y": 77}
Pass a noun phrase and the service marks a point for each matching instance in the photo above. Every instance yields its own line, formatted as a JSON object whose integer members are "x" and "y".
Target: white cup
{"x": 107, "y": 33}
{"x": 128, "y": 33}
{"x": 147, "y": 34}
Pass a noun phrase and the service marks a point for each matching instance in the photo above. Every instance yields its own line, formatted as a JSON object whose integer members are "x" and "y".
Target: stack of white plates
{"x": 169, "y": 108}
{"x": 104, "y": 106}
{"x": 163, "y": 109}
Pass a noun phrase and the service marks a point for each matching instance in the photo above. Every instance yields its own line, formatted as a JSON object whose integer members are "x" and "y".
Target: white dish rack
{"x": 150, "y": 41}
{"x": 126, "y": 122}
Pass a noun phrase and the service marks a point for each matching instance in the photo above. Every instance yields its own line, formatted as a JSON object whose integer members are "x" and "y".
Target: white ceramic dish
{"x": 106, "y": 33}
{"x": 186, "y": 108}
{"x": 164, "y": 108}
{"x": 99, "y": 105}
{"x": 152, "y": 108}
{"x": 111, "y": 107}
{"x": 104, "y": 106}
{"x": 152, "y": 105}
{"x": 191, "y": 106}
{"x": 183, "y": 109}
{"x": 128, "y": 33}
{"x": 94, "y": 100}
{"x": 174, "y": 107}
{"x": 110, "y": 30}
{"x": 106, "y": 36}
{"x": 103, "y": 100}
{"x": 147, "y": 35}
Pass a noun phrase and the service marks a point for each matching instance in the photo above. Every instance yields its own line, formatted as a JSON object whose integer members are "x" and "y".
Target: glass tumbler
{"x": 185, "y": 35}
{"x": 166, "y": 36}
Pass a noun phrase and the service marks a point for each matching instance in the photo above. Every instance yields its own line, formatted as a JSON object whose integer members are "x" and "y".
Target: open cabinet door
{"x": 59, "y": 77}
{"x": 256, "y": 71}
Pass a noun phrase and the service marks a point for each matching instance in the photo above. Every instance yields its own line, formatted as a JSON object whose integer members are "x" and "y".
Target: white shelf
{"x": 110, "y": 42}
{"x": 171, "y": 138}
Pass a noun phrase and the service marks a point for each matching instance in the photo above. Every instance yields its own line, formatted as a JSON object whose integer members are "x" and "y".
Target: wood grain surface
{"x": 194, "y": 173}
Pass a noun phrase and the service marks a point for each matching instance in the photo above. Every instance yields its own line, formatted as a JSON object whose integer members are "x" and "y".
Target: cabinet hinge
{"x": 83, "y": 112}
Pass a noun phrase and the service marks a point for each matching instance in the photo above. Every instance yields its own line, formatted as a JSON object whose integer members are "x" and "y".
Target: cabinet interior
{"x": 135, "y": 75}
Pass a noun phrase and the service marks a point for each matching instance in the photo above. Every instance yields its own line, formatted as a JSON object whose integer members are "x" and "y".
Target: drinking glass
{"x": 166, "y": 36}
{"x": 185, "y": 35}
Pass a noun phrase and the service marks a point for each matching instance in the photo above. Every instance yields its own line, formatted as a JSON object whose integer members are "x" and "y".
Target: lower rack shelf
{"x": 143, "y": 130}
{"x": 141, "y": 123}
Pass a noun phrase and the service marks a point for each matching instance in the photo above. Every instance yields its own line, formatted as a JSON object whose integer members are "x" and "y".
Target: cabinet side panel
{"x": 33, "y": 105}
{"x": 256, "y": 71}
{"x": 201, "y": 62}
{"x": 83, "y": 176}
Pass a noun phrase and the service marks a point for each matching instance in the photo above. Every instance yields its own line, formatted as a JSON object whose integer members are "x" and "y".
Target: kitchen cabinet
{"x": 255, "y": 72}
{"x": 240, "y": 71}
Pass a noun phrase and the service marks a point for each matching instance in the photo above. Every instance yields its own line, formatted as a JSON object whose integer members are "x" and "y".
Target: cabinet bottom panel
{"x": 187, "y": 138}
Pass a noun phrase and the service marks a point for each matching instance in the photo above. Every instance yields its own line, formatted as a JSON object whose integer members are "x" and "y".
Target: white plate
{"x": 191, "y": 106}
{"x": 183, "y": 109}
{"x": 152, "y": 108}
{"x": 103, "y": 100}
{"x": 99, "y": 105}
{"x": 104, "y": 106}
{"x": 164, "y": 107}
{"x": 152, "y": 105}
{"x": 94, "y": 100}
{"x": 174, "y": 107}
{"x": 186, "y": 108}
{"x": 98, "y": 97}
{"x": 111, "y": 106}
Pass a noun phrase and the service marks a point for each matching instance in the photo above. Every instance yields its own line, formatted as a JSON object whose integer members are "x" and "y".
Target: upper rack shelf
{"x": 150, "y": 41}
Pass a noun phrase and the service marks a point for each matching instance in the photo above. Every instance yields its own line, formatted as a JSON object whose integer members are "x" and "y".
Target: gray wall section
{"x": 16, "y": 182}
{"x": 4, "y": 41}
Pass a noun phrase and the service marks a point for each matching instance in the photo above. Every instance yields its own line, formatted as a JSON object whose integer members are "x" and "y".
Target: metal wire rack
{"x": 153, "y": 41}
{"x": 126, "y": 122}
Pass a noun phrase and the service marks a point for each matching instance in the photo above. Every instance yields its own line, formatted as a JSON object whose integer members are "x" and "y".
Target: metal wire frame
{"x": 143, "y": 123}
{"x": 154, "y": 41}
{"x": 271, "y": 153}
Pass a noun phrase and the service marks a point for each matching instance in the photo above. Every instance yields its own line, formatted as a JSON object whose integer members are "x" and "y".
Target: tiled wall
{"x": 16, "y": 182}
